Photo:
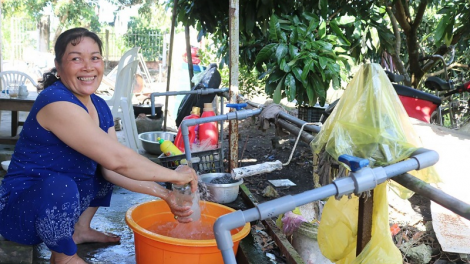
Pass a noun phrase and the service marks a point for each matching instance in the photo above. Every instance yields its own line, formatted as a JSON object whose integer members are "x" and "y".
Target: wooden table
{"x": 15, "y": 105}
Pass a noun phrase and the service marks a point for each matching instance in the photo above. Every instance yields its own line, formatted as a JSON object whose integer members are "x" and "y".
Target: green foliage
{"x": 343, "y": 25}
{"x": 248, "y": 83}
{"x": 149, "y": 39}
{"x": 453, "y": 21}
{"x": 71, "y": 13}
{"x": 303, "y": 57}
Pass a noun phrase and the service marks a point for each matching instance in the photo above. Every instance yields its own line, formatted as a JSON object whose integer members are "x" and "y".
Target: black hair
{"x": 72, "y": 36}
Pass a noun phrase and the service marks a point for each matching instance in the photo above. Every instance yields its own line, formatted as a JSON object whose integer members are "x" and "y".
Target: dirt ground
{"x": 257, "y": 146}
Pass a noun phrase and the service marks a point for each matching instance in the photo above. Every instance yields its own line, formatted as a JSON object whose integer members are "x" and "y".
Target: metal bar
{"x": 168, "y": 93}
{"x": 425, "y": 189}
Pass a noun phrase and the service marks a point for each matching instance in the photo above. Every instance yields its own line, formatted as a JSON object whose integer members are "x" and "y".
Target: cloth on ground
{"x": 269, "y": 113}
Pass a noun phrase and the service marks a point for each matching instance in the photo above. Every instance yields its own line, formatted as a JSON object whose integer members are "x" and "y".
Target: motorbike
{"x": 456, "y": 109}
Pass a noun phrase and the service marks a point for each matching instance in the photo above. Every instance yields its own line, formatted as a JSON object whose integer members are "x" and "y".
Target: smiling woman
{"x": 81, "y": 69}
{"x": 68, "y": 158}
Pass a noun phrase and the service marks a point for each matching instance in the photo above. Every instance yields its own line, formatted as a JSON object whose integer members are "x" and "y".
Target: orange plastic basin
{"x": 154, "y": 248}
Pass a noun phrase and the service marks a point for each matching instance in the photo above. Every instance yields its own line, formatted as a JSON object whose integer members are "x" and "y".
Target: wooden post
{"x": 170, "y": 57}
{"x": 107, "y": 49}
{"x": 1, "y": 44}
{"x": 189, "y": 56}
{"x": 233, "y": 86}
{"x": 364, "y": 224}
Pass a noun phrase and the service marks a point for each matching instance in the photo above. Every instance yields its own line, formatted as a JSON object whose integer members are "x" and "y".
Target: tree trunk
{"x": 44, "y": 27}
{"x": 410, "y": 27}
{"x": 413, "y": 53}
{"x": 58, "y": 31}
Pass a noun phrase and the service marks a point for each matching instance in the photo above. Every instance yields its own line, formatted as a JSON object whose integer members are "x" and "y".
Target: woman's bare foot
{"x": 89, "y": 235}
{"x": 60, "y": 258}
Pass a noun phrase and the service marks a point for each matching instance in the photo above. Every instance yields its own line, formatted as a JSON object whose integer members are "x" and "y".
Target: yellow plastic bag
{"x": 368, "y": 122}
{"x": 337, "y": 234}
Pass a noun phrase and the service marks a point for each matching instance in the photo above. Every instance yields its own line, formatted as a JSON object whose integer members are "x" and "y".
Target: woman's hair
{"x": 72, "y": 36}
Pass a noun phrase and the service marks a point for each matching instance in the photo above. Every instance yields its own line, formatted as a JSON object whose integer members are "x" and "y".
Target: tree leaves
{"x": 304, "y": 65}
{"x": 265, "y": 53}
{"x": 281, "y": 52}
{"x": 274, "y": 28}
{"x": 444, "y": 29}
{"x": 290, "y": 87}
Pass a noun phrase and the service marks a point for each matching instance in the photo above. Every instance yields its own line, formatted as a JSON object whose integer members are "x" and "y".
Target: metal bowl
{"x": 150, "y": 143}
{"x": 221, "y": 193}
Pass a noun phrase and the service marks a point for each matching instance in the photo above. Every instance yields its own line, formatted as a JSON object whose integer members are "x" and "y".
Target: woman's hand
{"x": 186, "y": 175}
{"x": 181, "y": 213}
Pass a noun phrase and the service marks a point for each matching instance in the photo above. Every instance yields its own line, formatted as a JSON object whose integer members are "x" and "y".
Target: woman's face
{"x": 82, "y": 67}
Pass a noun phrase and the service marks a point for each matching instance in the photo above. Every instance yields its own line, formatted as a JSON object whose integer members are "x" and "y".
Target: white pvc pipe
{"x": 256, "y": 169}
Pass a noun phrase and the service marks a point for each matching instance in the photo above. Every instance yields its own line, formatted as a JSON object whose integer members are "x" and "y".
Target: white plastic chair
{"x": 128, "y": 57}
{"x": 16, "y": 77}
{"x": 122, "y": 106}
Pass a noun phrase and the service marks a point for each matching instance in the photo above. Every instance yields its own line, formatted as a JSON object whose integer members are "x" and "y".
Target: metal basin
{"x": 147, "y": 110}
{"x": 150, "y": 143}
{"x": 221, "y": 193}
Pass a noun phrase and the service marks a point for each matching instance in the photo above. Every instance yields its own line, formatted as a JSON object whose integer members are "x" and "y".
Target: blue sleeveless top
{"x": 39, "y": 153}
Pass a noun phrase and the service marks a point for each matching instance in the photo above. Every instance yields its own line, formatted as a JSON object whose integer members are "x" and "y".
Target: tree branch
{"x": 453, "y": 65}
{"x": 396, "y": 55}
{"x": 419, "y": 15}
{"x": 401, "y": 17}
{"x": 396, "y": 30}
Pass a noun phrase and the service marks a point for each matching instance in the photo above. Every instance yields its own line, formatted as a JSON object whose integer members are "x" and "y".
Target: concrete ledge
{"x": 11, "y": 252}
{"x": 6, "y": 151}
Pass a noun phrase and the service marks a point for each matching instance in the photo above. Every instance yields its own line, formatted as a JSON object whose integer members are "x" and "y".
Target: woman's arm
{"x": 150, "y": 188}
{"x": 76, "y": 128}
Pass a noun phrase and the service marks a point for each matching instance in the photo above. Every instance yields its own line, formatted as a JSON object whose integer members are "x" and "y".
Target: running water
{"x": 204, "y": 193}
{"x": 199, "y": 230}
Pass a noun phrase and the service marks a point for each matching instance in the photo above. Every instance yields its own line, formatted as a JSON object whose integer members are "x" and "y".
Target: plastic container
{"x": 208, "y": 132}
{"x": 168, "y": 148}
{"x": 153, "y": 248}
{"x": 202, "y": 161}
{"x": 193, "y": 130}
{"x": 185, "y": 197}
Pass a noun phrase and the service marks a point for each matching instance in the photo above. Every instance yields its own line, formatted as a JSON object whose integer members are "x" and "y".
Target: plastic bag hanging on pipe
{"x": 337, "y": 234}
{"x": 370, "y": 122}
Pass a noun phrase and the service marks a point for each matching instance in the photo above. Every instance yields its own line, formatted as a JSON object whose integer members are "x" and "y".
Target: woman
{"x": 68, "y": 158}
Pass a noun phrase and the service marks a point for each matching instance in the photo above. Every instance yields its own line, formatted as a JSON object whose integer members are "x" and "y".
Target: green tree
{"x": 401, "y": 29}
{"x": 143, "y": 35}
{"x": 450, "y": 28}
{"x": 70, "y": 12}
